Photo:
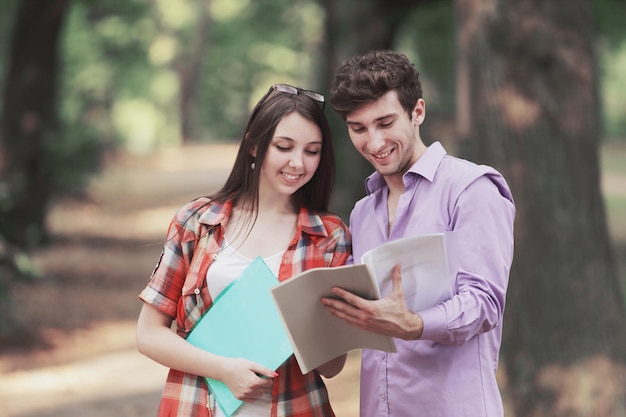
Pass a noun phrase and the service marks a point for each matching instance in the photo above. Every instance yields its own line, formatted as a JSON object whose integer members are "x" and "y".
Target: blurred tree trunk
{"x": 528, "y": 104}
{"x": 189, "y": 68}
{"x": 28, "y": 120}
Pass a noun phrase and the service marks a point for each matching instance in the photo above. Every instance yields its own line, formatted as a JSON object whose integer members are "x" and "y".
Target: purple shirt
{"x": 451, "y": 370}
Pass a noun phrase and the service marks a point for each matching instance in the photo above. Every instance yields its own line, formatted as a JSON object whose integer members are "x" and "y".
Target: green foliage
{"x": 264, "y": 42}
{"x": 104, "y": 58}
{"x": 120, "y": 68}
{"x": 609, "y": 16}
{"x": 74, "y": 154}
{"x": 104, "y": 61}
{"x": 613, "y": 85}
{"x": 124, "y": 60}
{"x": 121, "y": 65}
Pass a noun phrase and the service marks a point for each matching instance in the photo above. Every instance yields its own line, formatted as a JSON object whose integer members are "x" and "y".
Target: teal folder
{"x": 243, "y": 322}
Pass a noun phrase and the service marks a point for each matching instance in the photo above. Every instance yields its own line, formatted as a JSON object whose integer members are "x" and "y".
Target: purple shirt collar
{"x": 425, "y": 166}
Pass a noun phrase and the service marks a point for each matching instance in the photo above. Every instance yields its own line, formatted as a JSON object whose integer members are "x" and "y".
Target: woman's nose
{"x": 295, "y": 161}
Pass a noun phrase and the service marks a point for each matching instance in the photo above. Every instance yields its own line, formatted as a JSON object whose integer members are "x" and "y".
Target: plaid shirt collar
{"x": 218, "y": 213}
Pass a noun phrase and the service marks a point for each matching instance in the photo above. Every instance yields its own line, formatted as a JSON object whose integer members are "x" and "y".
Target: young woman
{"x": 274, "y": 204}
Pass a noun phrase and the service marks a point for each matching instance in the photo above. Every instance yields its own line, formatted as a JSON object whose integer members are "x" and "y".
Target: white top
{"x": 227, "y": 267}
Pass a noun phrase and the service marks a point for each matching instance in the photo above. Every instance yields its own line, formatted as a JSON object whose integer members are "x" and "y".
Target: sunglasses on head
{"x": 290, "y": 89}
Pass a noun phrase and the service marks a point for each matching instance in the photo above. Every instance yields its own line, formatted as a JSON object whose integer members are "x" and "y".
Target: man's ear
{"x": 419, "y": 112}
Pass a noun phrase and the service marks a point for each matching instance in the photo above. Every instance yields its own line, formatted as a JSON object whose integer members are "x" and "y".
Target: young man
{"x": 448, "y": 354}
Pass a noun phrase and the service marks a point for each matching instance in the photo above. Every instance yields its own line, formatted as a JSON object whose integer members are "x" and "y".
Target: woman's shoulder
{"x": 195, "y": 217}
{"x": 194, "y": 208}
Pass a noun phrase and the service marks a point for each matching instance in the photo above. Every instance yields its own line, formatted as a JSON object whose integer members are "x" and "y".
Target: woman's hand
{"x": 247, "y": 380}
{"x": 155, "y": 339}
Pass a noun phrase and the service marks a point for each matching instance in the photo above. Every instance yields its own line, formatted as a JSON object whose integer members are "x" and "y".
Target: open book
{"x": 317, "y": 337}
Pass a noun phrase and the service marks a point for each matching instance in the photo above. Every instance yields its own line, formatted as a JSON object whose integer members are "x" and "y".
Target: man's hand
{"x": 389, "y": 315}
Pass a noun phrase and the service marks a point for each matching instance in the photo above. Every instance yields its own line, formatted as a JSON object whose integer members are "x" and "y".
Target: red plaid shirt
{"x": 178, "y": 288}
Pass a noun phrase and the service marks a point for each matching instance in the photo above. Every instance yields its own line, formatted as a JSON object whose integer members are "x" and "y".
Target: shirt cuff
{"x": 150, "y": 296}
{"x": 435, "y": 323}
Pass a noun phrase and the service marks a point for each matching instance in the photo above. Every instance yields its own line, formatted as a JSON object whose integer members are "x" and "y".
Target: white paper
{"x": 426, "y": 279}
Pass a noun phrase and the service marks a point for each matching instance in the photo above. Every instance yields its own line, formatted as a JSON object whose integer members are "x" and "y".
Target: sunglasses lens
{"x": 289, "y": 89}
{"x": 285, "y": 88}
{"x": 315, "y": 96}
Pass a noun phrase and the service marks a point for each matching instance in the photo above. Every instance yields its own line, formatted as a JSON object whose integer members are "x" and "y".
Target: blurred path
{"x": 102, "y": 254}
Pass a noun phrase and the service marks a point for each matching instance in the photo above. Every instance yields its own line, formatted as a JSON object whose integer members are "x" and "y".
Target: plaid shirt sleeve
{"x": 166, "y": 283}
{"x": 183, "y": 394}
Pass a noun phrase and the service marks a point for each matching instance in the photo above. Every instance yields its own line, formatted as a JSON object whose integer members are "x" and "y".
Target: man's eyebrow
{"x": 378, "y": 119}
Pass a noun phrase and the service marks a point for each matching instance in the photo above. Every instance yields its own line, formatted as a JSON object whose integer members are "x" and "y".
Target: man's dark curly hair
{"x": 365, "y": 78}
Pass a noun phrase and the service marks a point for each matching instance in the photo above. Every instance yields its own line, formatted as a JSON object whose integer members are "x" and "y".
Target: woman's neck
{"x": 275, "y": 206}
{"x": 264, "y": 233}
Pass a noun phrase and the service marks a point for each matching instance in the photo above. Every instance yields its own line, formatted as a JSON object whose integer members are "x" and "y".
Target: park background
{"x": 113, "y": 114}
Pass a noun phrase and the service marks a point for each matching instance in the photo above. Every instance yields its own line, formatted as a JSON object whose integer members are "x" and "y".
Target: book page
{"x": 426, "y": 279}
{"x": 317, "y": 336}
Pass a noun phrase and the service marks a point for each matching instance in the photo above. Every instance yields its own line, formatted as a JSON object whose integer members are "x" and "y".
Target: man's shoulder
{"x": 458, "y": 174}
{"x": 463, "y": 171}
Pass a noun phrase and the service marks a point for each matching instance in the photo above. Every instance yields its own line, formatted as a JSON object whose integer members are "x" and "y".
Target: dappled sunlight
{"x": 98, "y": 364}
{"x": 176, "y": 14}
{"x": 226, "y": 10}
{"x": 162, "y": 50}
{"x": 125, "y": 373}
{"x": 209, "y": 157}
{"x": 141, "y": 124}
{"x": 613, "y": 185}
{"x": 164, "y": 86}
{"x": 149, "y": 223}
{"x": 519, "y": 112}
{"x": 613, "y": 86}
